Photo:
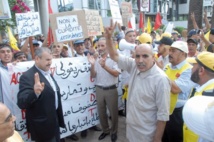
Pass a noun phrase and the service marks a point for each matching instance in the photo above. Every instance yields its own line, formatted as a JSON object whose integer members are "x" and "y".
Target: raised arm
{"x": 206, "y": 21}
{"x": 192, "y": 15}
{"x": 109, "y": 42}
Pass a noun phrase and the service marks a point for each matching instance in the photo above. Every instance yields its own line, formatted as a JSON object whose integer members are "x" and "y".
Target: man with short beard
{"x": 149, "y": 90}
{"x": 179, "y": 72}
{"x": 202, "y": 74}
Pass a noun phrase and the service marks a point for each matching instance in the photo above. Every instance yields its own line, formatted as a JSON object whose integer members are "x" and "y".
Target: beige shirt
{"x": 104, "y": 78}
{"x": 14, "y": 138}
{"x": 148, "y": 100}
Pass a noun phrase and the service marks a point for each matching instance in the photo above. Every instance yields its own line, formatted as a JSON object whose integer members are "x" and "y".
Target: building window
{"x": 183, "y": 1}
{"x": 65, "y": 5}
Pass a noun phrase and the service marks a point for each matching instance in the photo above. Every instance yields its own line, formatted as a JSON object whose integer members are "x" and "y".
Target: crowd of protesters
{"x": 157, "y": 77}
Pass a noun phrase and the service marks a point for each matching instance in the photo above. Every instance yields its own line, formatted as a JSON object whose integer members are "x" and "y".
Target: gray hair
{"x": 39, "y": 51}
{"x": 149, "y": 46}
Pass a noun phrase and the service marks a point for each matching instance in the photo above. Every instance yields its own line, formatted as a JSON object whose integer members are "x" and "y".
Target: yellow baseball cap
{"x": 206, "y": 59}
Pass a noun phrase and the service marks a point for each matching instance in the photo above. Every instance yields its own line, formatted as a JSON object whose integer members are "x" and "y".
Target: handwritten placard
{"x": 126, "y": 8}
{"x": 93, "y": 22}
{"x": 68, "y": 26}
{"x": 115, "y": 11}
{"x": 28, "y": 24}
{"x": 77, "y": 94}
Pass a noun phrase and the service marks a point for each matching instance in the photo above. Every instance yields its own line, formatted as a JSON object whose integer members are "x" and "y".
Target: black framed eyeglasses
{"x": 8, "y": 118}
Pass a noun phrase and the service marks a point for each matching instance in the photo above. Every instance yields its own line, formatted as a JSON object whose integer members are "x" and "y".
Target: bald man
{"x": 7, "y": 126}
{"x": 149, "y": 92}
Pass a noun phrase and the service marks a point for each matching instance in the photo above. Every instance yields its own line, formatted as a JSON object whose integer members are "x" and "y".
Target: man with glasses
{"x": 7, "y": 127}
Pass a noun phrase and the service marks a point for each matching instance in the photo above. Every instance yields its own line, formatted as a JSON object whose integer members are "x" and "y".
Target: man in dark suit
{"x": 39, "y": 94}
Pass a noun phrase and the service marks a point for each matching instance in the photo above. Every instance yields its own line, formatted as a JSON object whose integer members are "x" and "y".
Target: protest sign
{"x": 28, "y": 24}
{"x": 115, "y": 11}
{"x": 126, "y": 8}
{"x": 77, "y": 94}
{"x": 4, "y": 10}
{"x": 94, "y": 25}
{"x": 68, "y": 26}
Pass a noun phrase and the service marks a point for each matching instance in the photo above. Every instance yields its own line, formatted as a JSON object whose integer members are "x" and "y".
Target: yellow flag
{"x": 12, "y": 40}
{"x": 149, "y": 27}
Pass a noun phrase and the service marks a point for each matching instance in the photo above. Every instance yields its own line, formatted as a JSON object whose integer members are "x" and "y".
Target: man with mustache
{"x": 149, "y": 90}
{"x": 179, "y": 72}
{"x": 202, "y": 74}
{"x": 40, "y": 95}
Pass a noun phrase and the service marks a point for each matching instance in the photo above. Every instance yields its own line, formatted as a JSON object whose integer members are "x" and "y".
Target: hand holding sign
{"x": 38, "y": 86}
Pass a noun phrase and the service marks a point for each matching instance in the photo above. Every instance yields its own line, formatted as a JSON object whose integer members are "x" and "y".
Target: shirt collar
{"x": 200, "y": 88}
{"x": 178, "y": 66}
{"x": 43, "y": 72}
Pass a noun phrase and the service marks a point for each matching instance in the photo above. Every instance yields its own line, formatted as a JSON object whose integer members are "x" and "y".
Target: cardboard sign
{"x": 77, "y": 94}
{"x": 4, "y": 10}
{"x": 68, "y": 26}
{"x": 115, "y": 11}
{"x": 94, "y": 24}
{"x": 28, "y": 24}
{"x": 126, "y": 8}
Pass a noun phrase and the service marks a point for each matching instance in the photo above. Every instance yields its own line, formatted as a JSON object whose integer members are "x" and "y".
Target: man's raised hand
{"x": 110, "y": 30}
{"x": 38, "y": 86}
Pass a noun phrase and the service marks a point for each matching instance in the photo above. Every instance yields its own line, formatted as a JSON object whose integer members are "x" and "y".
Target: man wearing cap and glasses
{"x": 179, "y": 72}
{"x": 163, "y": 49}
{"x": 7, "y": 133}
{"x": 79, "y": 47}
{"x": 202, "y": 74}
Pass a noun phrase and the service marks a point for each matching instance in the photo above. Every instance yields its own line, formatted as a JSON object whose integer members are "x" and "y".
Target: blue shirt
{"x": 184, "y": 83}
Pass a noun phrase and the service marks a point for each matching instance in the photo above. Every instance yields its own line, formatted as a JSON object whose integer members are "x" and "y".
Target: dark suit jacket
{"x": 41, "y": 115}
